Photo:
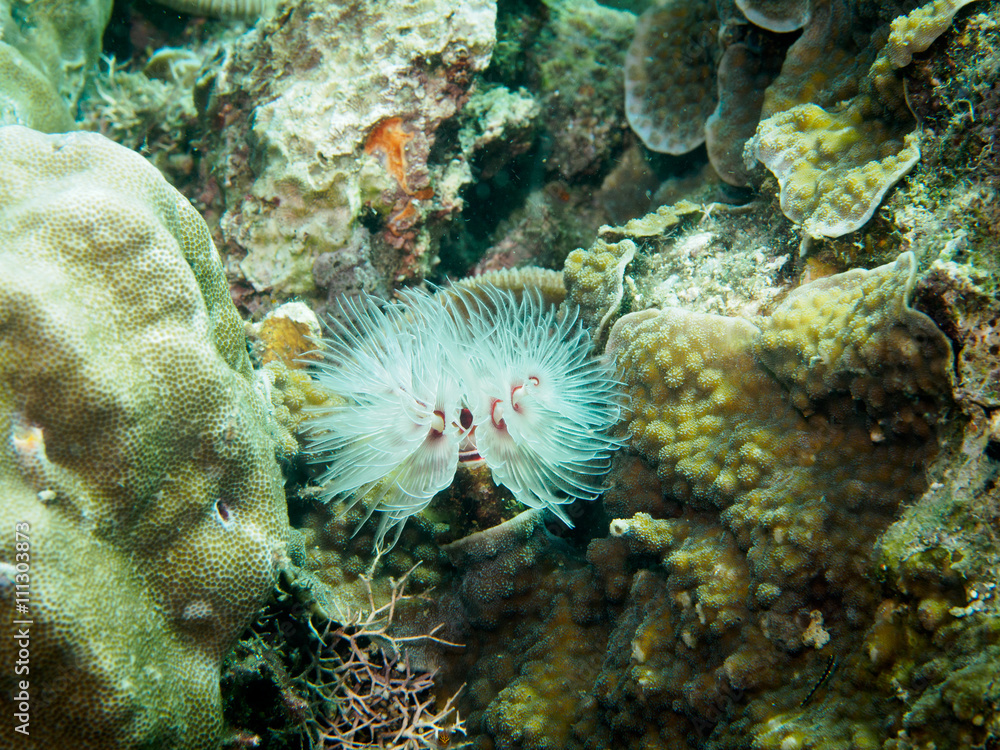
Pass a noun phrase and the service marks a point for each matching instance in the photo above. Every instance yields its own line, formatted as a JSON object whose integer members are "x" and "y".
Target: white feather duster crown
{"x": 461, "y": 376}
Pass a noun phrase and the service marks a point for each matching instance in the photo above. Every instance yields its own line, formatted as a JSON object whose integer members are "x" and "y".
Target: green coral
{"x": 135, "y": 449}
{"x": 777, "y": 472}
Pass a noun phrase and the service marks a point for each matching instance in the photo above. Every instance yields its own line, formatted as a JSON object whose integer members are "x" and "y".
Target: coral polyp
{"x": 432, "y": 380}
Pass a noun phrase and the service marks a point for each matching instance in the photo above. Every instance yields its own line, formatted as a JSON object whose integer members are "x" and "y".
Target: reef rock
{"x": 327, "y": 111}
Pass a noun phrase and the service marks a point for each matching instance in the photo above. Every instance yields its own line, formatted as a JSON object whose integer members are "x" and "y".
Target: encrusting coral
{"x": 135, "y": 449}
{"x": 833, "y": 344}
{"x": 771, "y": 452}
{"x": 784, "y": 446}
{"x": 670, "y": 83}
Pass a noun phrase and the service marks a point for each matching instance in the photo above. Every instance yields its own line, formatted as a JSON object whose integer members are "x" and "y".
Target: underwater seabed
{"x": 664, "y": 334}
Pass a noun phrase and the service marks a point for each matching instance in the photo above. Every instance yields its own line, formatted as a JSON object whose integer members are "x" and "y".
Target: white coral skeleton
{"x": 461, "y": 377}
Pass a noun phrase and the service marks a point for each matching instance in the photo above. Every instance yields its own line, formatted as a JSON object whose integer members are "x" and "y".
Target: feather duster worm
{"x": 460, "y": 376}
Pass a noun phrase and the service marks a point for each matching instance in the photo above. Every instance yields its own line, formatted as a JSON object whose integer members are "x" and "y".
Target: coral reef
{"x": 707, "y": 258}
{"x": 136, "y": 451}
{"x": 834, "y": 124}
{"x": 835, "y": 165}
{"x": 284, "y": 343}
{"x": 797, "y": 546}
{"x": 150, "y": 110}
{"x": 326, "y": 115}
{"x": 579, "y": 53}
{"x": 767, "y": 507}
{"x": 669, "y": 83}
{"x": 537, "y": 198}
{"x": 597, "y": 279}
{"x": 48, "y": 53}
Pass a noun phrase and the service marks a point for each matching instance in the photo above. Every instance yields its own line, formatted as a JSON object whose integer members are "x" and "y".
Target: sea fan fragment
{"x": 461, "y": 376}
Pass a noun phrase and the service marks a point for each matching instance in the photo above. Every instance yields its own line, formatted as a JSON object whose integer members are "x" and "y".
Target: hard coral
{"x": 834, "y": 125}
{"x": 774, "y": 462}
{"x": 135, "y": 449}
{"x": 670, "y": 75}
{"x": 835, "y": 164}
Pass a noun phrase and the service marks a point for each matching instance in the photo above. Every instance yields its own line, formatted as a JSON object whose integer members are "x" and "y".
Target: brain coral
{"x": 134, "y": 449}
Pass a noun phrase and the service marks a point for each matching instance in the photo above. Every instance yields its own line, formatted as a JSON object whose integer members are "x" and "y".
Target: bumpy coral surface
{"x": 597, "y": 280}
{"x": 811, "y": 151}
{"x": 785, "y": 467}
{"x": 734, "y": 601}
{"x": 134, "y": 449}
{"x": 326, "y": 111}
{"x": 760, "y": 621}
{"x": 697, "y": 377}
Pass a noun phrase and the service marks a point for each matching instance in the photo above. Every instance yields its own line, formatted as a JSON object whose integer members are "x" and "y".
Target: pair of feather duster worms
{"x": 432, "y": 381}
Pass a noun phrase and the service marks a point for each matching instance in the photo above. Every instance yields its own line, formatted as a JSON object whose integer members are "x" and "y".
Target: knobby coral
{"x": 463, "y": 376}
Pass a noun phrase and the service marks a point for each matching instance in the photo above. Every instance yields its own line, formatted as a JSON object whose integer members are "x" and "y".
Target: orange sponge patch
{"x": 390, "y": 139}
